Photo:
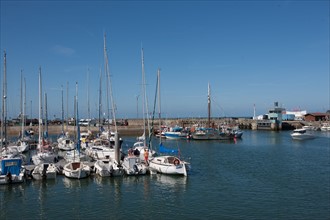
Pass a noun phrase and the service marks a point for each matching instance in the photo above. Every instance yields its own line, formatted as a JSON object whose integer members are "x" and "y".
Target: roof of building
{"x": 317, "y": 114}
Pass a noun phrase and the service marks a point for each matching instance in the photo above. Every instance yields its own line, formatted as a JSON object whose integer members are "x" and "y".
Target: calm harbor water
{"x": 265, "y": 175}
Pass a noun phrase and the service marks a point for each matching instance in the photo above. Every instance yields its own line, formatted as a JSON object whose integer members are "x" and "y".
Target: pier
{"x": 134, "y": 127}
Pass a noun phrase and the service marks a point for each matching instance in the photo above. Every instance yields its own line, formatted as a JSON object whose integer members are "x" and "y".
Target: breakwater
{"x": 134, "y": 127}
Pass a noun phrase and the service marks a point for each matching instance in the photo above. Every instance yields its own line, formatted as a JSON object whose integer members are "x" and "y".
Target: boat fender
{"x": 176, "y": 162}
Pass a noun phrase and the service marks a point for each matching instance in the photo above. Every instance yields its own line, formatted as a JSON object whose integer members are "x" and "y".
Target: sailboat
{"x": 45, "y": 158}
{"x": 166, "y": 164}
{"x": 45, "y": 153}
{"x": 141, "y": 146}
{"x": 109, "y": 164}
{"x": 64, "y": 142}
{"x": 22, "y": 144}
{"x": 210, "y": 133}
{"x": 11, "y": 169}
{"x": 77, "y": 169}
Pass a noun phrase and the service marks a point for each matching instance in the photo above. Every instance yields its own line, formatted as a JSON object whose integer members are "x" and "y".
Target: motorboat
{"x": 11, "y": 171}
{"x": 108, "y": 167}
{"x": 134, "y": 166}
{"x": 302, "y": 134}
{"x": 176, "y": 133}
{"x": 233, "y": 130}
{"x": 325, "y": 127}
{"x": 168, "y": 165}
{"x": 44, "y": 171}
{"x": 76, "y": 170}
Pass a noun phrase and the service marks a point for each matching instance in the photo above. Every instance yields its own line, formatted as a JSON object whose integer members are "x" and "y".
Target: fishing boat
{"x": 210, "y": 133}
{"x": 44, "y": 171}
{"x": 302, "y": 134}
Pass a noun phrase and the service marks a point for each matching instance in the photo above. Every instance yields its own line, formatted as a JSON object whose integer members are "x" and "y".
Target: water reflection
{"x": 75, "y": 183}
{"x": 170, "y": 182}
{"x": 10, "y": 196}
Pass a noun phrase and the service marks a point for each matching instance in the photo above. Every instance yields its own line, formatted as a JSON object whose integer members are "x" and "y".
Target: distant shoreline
{"x": 135, "y": 127}
{"x": 57, "y": 129}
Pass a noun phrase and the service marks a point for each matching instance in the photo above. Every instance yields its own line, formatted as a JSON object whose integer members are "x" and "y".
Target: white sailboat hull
{"x": 168, "y": 165}
{"x": 76, "y": 170}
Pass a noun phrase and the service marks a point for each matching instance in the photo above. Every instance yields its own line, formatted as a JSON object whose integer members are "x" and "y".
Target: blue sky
{"x": 251, "y": 52}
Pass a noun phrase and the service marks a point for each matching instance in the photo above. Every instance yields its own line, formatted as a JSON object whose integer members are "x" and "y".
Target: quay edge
{"x": 135, "y": 126}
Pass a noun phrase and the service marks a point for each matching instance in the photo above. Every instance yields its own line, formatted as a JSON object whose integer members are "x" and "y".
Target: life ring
{"x": 176, "y": 162}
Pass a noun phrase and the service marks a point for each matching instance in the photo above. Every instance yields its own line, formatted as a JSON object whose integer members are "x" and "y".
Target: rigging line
{"x": 219, "y": 106}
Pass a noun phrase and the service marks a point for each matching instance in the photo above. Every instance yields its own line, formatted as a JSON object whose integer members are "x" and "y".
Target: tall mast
{"x": 67, "y": 105}
{"x": 46, "y": 118}
{"x": 106, "y": 75}
{"x": 62, "y": 110}
{"x": 4, "y": 101}
{"x": 88, "y": 104}
{"x": 109, "y": 88}
{"x": 145, "y": 99}
{"x": 100, "y": 101}
{"x": 159, "y": 106}
{"x": 77, "y": 122}
{"x": 24, "y": 105}
{"x": 21, "y": 105}
{"x": 40, "y": 111}
{"x": 209, "y": 105}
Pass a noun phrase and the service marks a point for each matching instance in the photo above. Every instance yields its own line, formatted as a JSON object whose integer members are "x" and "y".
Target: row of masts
{"x": 43, "y": 107}
{"x": 110, "y": 101}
